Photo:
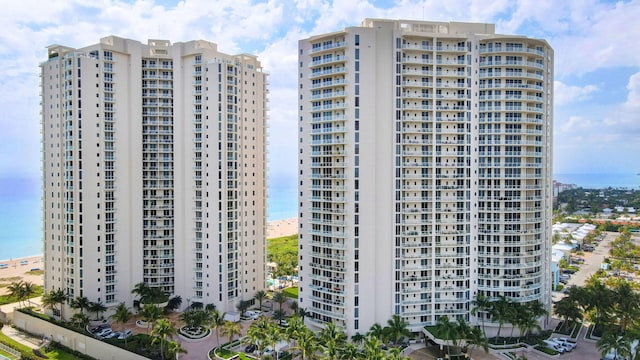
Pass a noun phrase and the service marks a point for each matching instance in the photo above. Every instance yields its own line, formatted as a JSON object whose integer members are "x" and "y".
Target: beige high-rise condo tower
{"x": 425, "y": 172}
{"x": 154, "y": 171}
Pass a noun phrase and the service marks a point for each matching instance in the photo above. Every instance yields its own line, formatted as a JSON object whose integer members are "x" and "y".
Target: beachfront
{"x": 24, "y": 269}
{"x": 21, "y": 269}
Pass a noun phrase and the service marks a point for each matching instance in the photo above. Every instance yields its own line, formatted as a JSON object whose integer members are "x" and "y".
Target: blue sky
{"x": 597, "y": 52}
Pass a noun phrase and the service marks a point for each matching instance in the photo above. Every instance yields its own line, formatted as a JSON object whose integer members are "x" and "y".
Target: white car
{"x": 565, "y": 342}
{"x": 124, "y": 334}
{"x": 555, "y": 346}
{"x": 104, "y": 333}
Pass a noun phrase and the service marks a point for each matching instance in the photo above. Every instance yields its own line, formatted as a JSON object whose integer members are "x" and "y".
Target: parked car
{"x": 125, "y": 334}
{"x": 113, "y": 334}
{"x": 565, "y": 342}
{"x": 283, "y": 323}
{"x": 253, "y": 314}
{"x": 250, "y": 348}
{"x": 553, "y": 346}
{"x": 566, "y": 346}
{"x": 104, "y": 332}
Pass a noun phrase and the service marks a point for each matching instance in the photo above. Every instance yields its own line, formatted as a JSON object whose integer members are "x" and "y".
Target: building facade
{"x": 154, "y": 171}
{"x": 425, "y": 171}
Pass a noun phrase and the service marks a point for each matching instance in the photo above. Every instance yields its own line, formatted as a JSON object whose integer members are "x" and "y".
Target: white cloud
{"x": 633, "y": 98}
{"x": 586, "y": 34}
{"x": 565, "y": 94}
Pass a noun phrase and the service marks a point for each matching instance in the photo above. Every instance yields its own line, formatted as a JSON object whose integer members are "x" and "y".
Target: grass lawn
{"x": 6, "y": 299}
{"x": 283, "y": 249}
{"x": 291, "y": 292}
{"x": 51, "y": 354}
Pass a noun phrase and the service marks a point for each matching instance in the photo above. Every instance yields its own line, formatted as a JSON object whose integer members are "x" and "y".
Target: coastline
{"x": 279, "y": 228}
{"x": 18, "y": 268}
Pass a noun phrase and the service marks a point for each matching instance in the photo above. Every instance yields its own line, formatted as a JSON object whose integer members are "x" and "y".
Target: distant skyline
{"x": 597, "y": 57}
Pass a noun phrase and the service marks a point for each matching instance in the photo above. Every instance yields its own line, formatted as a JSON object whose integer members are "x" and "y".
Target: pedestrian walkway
{"x": 23, "y": 338}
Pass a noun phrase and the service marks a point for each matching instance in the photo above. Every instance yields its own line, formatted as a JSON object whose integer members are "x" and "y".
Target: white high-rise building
{"x": 154, "y": 171}
{"x": 425, "y": 171}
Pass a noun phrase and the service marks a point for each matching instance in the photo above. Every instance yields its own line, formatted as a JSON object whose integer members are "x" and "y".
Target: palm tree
{"x": 257, "y": 332}
{"x": 395, "y": 354}
{"x": 243, "y": 306}
{"x": 332, "y": 339}
{"x": 163, "y": 329}
{"x": 260, "y": 296}
{"x": 28, "y": 289}
{"x": 272, "y": 338}
{"x": 80, "y": 320}
{"x": 350, "y": 351}
{"x": 141, "y": 289}
{"x": 150, "y": 313}
{"x": 96, "y": 308}
{"x": 376, "y": 330}
{"x": 122, "y": 315}
{"x": 528, "y": 322}
{"x": 231, "y": 330}
{"x": 627, "y": 307}
{"x": 49, "y": 302}
{"x": 373, "y": 348}
{"x": 447, "y": 330}
{"x": 567, "y": 309}
{"x": 612, "y": 341}
{"x": 480, "y": 305}
{"x": 516, "y": 312}
{"x": 537, "y": 308}
{"x": 501, "y": 311}
{"x": 307, "y": 344}
{"x": 397, "y": 328}
{"x": 81, "y": 303}
{"x": 296, "y": 326}
{"x": 280, "y": 298}
{"x": 174, "y": 303}
{"x": 216, "y": 320}
{"x": 279, "y": 315}
{"x": 16, "y": 290}
{"x": 293, "y": 305}
{"x": 174, "y": 348}
{"x": 462, "y": 329}
{"x": 59, "y": 297}
{"x": 475, "y": 338}
{"x": 358, "y": 338}
{"x": 303, "y": 313}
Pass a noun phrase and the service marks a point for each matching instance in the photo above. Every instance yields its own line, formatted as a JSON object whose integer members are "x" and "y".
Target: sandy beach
{"x": 279, "y": 228}
{"x": 17, "y": 269}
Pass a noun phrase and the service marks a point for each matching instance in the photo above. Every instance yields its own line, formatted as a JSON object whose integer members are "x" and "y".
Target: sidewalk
{"x": 21, "y": 337}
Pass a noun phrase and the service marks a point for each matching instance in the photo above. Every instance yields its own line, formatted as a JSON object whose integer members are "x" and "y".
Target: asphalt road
{"x": 592, "y": 261}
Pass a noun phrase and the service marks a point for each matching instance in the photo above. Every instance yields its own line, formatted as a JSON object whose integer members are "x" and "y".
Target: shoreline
{"x": 275, "y": 228}
{"x": 280, "y": 228}
{"x": 21, "y": 258}
{"x": 19, "y": 268}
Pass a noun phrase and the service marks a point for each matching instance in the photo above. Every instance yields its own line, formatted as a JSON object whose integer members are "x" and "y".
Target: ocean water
{"x": 282, "y": 197}
{"x": 600, "y": 181}
{"x": 21, "y": 212}
{"x": 21, "y": 209}
{"x": 20, "y": 217}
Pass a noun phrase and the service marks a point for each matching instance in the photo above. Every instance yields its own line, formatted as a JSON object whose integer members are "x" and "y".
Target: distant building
{"x": 154, "y": 171}
{"x": 559, "y": 187}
